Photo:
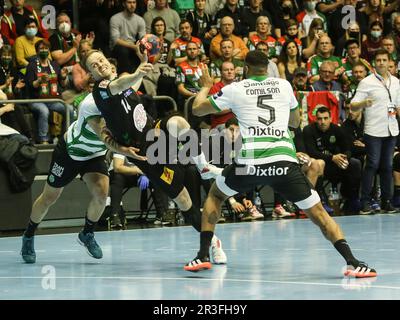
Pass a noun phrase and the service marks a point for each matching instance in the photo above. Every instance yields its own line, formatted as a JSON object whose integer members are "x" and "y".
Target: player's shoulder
{"x": 102, "y": 84}
{"x": 88, "y": 105}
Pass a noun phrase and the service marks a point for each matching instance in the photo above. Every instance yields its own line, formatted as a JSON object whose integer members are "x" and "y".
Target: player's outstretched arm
{"x": 132, "y": 80}
{"x": 99, "y": 126}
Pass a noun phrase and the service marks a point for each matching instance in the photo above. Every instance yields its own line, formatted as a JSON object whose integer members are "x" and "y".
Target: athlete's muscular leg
{"x": 330, "y": 229}
{"x": 191, "y": 214}
{"x": 212, "y": 208}
{"x": 43, "y": 203}
{"x": 183, "y": 200}
{"x": 315, "y": 170}
{"x": 97, "y": 184}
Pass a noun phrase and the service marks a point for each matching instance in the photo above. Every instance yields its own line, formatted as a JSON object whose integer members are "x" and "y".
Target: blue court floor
{"x": 286, "y": 259}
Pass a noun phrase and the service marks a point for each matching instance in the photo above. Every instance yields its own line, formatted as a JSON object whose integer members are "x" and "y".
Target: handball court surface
{"x": 267, "y": 260}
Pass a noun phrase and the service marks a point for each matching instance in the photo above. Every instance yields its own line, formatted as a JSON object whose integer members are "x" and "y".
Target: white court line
{"x": 70, "y": 250}
{"x": 386, "y": 249}
{"x": 219, "y": 280}
{"x": 5, "y": 251}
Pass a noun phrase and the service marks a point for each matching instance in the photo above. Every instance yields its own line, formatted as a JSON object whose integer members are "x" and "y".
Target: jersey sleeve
{"x": 180, "y": 76}
{"x": 101, "y": 90}
{"x": 292, "y": 98}
{"x": 88, "y": 108}
{"x": 119, "y": 156}
{"x": 222, "y": 100}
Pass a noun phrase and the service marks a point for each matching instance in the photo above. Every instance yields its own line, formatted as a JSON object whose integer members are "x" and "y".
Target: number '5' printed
{"x": 261, "y": 103}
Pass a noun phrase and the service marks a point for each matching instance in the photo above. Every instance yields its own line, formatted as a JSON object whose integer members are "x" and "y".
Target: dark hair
{"x": 44, "y": 42}
{"x": 323, "y": 109}
{"x": 232, "y": 121}
{"x": 261, "y": 43}
{"x": 284, "y": 58}
{"x": 376, "y": 23}
{"x": 185, "y": 21}
{"x": 6, "y": 49}
{"x": 113, "y": 61}
{"x": 29, "y": 21}
{"x": 380, "y": 52}
{"x": 257, "y": 59}
{"x": 155, "y": 20}
{"x": 197, "y": 45}
{"x": 289, "y": 23}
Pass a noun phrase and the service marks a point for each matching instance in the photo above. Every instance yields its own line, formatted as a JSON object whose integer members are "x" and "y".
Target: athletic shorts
{"x": 284, "y": 177}
{"x": 168, "y": 177}
{"x": 64, "y": 169}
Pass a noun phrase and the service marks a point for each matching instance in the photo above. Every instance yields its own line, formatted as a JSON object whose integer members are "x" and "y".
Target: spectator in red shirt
{"x": 228, "y": 75}
{"x": 13, "y": 21}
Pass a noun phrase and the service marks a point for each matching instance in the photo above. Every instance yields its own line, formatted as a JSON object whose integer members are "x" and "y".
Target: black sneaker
{"x": 361, "y": 270}
{"x": 387, "y": 207}
{"x": 366, "y": 208}
{"x": 28, "y": 249}
{"x": 115, "y": 222}
{"x": 198, "y": 264}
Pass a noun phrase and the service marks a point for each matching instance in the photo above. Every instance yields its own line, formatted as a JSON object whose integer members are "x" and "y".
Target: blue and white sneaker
{"x": 375, "y": 206}
{"x": 93, "y": 249}
{"x": 28, "y": 249}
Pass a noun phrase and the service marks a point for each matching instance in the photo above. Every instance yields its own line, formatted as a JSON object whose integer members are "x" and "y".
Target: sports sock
{"x": 193, "y": 216}
{"x": 205, "y": 242}
{"x": 89, "y": 226}
{"x": 344, "y": 249}
{"x": 30, "y": 230}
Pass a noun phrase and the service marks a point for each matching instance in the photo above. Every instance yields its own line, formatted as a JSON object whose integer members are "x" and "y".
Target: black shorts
{"x": 63, "y": 169}
{"x": 284, "y": 177}
{"x": 168, "y": 177}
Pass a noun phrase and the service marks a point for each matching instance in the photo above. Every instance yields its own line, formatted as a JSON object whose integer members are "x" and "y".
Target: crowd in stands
{"x": 313, "y": 44}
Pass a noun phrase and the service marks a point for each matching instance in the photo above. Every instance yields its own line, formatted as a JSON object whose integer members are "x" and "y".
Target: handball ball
{"x": 151, "y": 45}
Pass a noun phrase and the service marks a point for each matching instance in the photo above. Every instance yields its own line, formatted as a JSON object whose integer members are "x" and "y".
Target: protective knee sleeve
{"x": 193, "y": 216}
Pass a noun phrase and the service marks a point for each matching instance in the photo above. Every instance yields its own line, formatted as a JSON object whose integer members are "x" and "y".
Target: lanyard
{"x": 381, "y": 80}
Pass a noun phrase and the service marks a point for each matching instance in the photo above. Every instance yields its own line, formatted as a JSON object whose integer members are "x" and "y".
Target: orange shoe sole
{"x": 352, "y": 273}
{"x": 199, "y": 267}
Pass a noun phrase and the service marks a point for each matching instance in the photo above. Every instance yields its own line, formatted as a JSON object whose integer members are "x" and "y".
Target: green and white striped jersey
{"x": 82, "y": 142}
{"x": 262, "y": 106}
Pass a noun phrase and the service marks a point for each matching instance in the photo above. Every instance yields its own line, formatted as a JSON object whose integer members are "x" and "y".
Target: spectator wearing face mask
{"x": 285, "y": 13}
{"x": 64, "y": 43}
{"x": 373, "y": 42}
{"x": 306, "y": 16}
{"x": 25, "y": 45}
{"x": 13, "y": 21}
{"x": 336, "y": 30}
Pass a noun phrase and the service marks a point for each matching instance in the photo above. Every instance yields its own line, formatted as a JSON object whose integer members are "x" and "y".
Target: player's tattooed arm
{"x": 99, "y": 126}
